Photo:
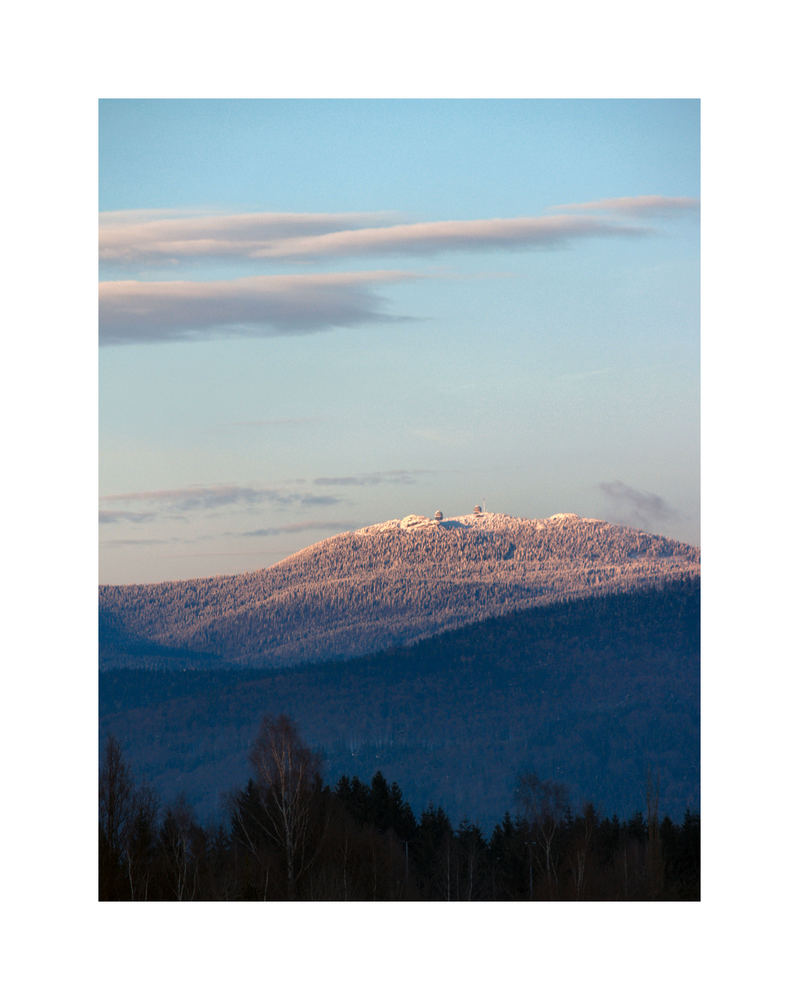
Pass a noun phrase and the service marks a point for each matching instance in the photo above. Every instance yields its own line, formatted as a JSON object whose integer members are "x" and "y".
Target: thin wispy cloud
{"x": 298, "y": 527}
{"x": 638, "y": 206}
{"x": 124, "y": 516}
{"x": 123, "y": 542}
{"x": 149, "y": 505}
{"x": 140, "y": 238}
{"x": 150, "y": 236}
{"x": 398, "y": 477}
{"x": 138, "y": 312}
{"x": 292, "y": 528}
{"x": 424, "y": 238}
{"x": 209, "y": 498}
{"x": 170, "y": 235}
{"x": 628, "y": 504}
{"x": 318, "y": 501}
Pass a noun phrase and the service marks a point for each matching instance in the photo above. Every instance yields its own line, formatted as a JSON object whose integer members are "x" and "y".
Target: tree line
{"x": 289, "y": 836}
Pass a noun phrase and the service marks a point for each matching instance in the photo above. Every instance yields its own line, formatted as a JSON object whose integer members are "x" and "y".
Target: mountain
{"x": 382, "y": 586}
{"x": 451, "y": 655}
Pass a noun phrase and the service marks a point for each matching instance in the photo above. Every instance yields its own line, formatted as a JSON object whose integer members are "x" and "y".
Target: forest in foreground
{"x": 289, "y": 836}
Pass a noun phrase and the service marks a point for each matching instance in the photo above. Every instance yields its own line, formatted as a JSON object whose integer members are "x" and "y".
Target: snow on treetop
{"x": 484, "y": 521}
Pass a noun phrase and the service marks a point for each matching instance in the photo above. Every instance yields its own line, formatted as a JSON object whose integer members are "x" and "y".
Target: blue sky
{"x": 321, "y": 314}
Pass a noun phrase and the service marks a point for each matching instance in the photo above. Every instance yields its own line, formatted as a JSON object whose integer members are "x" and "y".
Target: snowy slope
{"x": 388, "y": 584}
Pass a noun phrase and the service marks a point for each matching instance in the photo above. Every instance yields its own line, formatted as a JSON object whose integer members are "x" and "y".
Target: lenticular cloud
{"x": 135, "y": 312}
{"x": 275, "y": 305}
{"x": 434, "y": 237}
{"x": 144, "y": 235}
{"x": 137, "y": 237}
{"x": 642, "y": 205}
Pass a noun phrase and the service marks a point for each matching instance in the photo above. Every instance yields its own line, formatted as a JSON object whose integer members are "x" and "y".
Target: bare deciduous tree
{"x": 543, "y": 805}
{"x": 287, "y": 781}
{"x": 178, "y": 831}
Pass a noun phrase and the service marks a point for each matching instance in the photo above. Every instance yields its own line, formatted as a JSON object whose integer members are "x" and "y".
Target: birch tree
{"x": 287, "y": 782}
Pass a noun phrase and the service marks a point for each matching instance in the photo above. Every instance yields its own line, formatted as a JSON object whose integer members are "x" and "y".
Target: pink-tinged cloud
{"x": 224, "y": 495}
{"x": 637, "y": 206}
{"x": 145, "y": 235}
{"x": 297, "y": 527}
{"x": 137, "y": 312}
{"x": 435, "y": 237}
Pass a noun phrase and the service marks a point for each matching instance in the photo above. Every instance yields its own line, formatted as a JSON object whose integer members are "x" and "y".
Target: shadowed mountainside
{"x": 596, "y": 693}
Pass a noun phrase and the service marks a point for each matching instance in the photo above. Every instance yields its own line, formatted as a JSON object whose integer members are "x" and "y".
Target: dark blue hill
{"x": 595, "y": 693}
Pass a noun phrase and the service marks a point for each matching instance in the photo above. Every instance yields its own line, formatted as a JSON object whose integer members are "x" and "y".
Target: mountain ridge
{"x": 388, "y": 584}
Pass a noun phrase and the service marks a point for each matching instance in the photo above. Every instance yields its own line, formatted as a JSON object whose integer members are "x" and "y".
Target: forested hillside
{"x": 381, "y": 586}
{"x": 595, "y": 693}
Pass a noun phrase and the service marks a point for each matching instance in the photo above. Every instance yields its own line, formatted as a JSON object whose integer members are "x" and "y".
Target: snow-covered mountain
{"x": 386, "y": 585}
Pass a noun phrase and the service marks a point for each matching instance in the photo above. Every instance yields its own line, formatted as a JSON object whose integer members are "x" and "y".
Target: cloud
{"x": 637, "y": 206}
{"x": 435, "y": 237}
{"x": 399, "y": 477}
{"x": 141, "y": 235}
{"x": 152, "y": 236}
{"x": 120, "y": 516}
{"x": 192, "y": 498}
{"x": 298, "y": 526}
{"x": 318, "y": 501}
{"x": 629, "y": 504}
{"x": 137, "y": 312}
{"x": 114, "y": 542}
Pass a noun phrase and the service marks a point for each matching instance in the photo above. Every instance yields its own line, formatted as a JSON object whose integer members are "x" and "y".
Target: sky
{"x": 321, "y": 314}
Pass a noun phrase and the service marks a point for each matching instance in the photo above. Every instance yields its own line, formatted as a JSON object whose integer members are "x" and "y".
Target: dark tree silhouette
{"x": 115, "y": 809}
{"x": 544, "y": 805}
{"x": 291, "y": 837}
{"x": 287, "y": 790}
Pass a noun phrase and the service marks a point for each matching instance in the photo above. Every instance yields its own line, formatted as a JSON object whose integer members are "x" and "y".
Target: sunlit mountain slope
{"x": 385, "y": 585}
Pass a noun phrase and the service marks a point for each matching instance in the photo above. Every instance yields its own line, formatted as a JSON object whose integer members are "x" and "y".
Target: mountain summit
{"x": 386, "y": 585}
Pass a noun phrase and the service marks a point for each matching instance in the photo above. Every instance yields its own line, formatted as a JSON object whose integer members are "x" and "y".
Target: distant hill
{"x": 382, "y": 586}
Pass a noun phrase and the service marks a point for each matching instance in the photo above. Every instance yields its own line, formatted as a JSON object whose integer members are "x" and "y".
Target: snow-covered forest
{"x": 386, "y": 585}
